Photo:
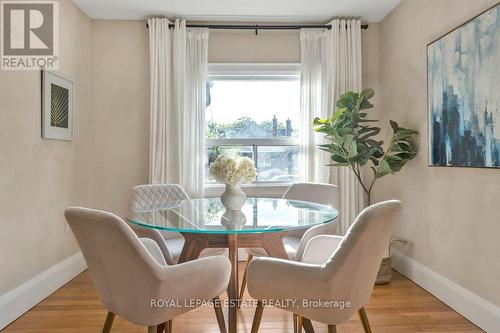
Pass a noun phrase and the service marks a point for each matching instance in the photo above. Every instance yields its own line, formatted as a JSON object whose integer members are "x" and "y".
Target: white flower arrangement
{"x": 233, "y": 171}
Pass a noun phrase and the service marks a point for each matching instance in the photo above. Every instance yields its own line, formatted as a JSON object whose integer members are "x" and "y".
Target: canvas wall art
{"x": 57, "y": 106}
{"x": 464, "y": 93}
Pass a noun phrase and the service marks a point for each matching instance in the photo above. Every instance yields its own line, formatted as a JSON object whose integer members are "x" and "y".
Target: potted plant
{"x": 351, "y": 143}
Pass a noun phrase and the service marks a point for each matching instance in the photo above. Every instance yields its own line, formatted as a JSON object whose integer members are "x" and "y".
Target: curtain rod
{"x": 258, "y": 27}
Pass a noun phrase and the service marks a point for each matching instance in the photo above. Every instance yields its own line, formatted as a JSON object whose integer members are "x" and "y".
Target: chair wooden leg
{"x": 308, "y": 327}
{"x": 244, "y": 282}
{"x": 152, "y": 329}
{"x": 257, "y": 317}
{"x": 108, "y": 323}
{"x": 297, "y": 323}
{"x": 364, "y": 320}
{"x": 165, "y": 327}
{"x": 332, "y": 328}
{"x": 219, "y": 315}
{"x": 170, "y": 325}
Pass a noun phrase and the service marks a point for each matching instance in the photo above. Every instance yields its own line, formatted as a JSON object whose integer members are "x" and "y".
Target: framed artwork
{"x": 463, "y": 86}
{"x": 57, "y": 106}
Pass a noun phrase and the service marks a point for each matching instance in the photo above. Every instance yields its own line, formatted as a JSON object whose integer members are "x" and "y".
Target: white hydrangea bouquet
{"x": 232, "y": 172}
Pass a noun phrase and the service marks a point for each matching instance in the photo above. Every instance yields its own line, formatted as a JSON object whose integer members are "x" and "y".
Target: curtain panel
{"x": 178, "y": 71}
{"x": 331, "y": 66}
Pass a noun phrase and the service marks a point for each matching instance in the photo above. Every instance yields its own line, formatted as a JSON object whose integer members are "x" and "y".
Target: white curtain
{"x": 331, "y": 65}
{"x": 311, "y": 160}
{"x": 178, "y": 70}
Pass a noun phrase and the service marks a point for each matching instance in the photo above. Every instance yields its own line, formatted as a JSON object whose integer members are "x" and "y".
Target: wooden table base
{"x": 232, "y": 290}
{"x": 272, "y": 242}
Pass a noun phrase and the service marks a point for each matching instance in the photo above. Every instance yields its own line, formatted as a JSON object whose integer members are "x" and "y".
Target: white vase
{"x": 233, "y": 197}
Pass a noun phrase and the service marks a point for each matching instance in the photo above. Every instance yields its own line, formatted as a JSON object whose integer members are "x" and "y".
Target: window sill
{"x": 273, "y": 190}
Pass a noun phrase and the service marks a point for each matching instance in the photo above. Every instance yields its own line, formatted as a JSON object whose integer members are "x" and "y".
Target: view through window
{"x": 257, "y": 117}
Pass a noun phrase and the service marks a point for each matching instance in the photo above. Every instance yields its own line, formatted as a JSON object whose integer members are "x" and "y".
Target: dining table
{"x": 261, "y": 222}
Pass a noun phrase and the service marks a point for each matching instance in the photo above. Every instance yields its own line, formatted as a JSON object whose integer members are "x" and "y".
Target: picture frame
{"x": 463, "y": 117}
{"x": 57, "y": 106}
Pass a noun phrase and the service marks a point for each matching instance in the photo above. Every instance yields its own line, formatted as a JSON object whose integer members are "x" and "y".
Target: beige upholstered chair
{"x": 333, "y": 268}
{"x": 158, "y": 196}
{"x": 295, "y": 242}
{"x": 130, "y": 274}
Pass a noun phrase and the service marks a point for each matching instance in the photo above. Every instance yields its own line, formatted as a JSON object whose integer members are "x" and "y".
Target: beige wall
{"x": 40, "y": 178}
{"x": 370, "y": 57}
{"x": 450, "y": 214}
{"x": 121, "y": 111}
{"x": 245, "y": 46}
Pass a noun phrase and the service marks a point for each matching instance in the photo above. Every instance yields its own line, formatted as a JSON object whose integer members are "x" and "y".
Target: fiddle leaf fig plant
{"x": 351, "y": 141}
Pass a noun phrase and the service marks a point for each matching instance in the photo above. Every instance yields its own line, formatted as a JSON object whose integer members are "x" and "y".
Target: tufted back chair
{"x": 152, "y": 196}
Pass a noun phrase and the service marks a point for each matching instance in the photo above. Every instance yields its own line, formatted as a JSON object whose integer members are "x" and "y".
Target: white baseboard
{"x": 476, "y": 309}
{"x": 18, "y": 301}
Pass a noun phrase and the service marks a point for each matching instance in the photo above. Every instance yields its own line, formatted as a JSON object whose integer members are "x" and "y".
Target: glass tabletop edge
{"x": 248, "y": 231}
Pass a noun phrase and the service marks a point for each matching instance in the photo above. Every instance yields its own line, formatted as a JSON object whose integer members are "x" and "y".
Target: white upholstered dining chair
{"x": 162, "y": 196}
{"x": 296, "y": 241}
{"x": 130, "y": 274}
{"x": 333, "y": 268}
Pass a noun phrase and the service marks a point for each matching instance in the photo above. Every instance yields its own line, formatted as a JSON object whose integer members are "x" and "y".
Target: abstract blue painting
{"x": 464, "y": 94}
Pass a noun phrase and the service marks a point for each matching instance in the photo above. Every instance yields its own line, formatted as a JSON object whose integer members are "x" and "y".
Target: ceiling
{"x": 300, "y": 11}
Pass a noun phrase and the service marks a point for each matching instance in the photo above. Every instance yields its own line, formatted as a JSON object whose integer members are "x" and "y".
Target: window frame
{"x": 254, "y": 71}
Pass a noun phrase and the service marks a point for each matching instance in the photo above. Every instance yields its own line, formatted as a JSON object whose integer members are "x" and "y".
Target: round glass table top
{"x": 208, "y": 215}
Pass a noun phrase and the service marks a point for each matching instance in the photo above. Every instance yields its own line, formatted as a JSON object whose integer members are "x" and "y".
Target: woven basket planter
{"x": 385, "y": 271}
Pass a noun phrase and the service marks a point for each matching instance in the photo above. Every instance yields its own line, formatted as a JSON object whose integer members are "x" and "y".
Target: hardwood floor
{"x": 399, "y": 307}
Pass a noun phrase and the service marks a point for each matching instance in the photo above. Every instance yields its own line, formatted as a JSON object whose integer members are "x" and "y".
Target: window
{"x": 253, "y": 110}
